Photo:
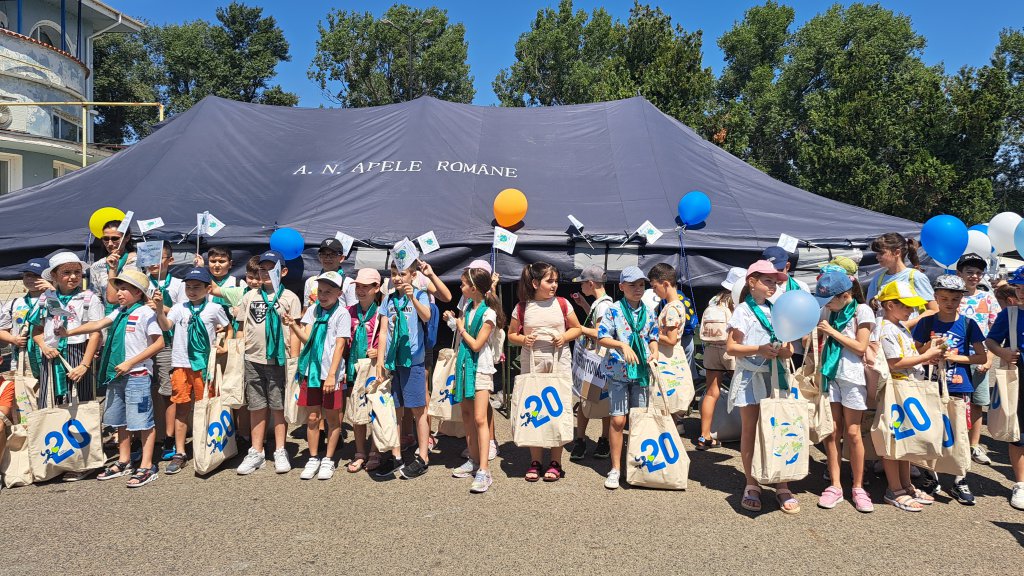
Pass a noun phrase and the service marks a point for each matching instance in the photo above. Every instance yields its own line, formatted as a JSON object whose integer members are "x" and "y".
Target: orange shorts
{"x": 7, "y": 398}
{"x": 187, "y": 384}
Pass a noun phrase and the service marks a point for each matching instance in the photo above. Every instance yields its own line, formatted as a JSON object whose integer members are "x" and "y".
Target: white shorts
{"x": 852, "y": 395}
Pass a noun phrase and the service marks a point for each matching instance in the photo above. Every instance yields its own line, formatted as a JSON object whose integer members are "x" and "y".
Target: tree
{"x": 124, "y": 73}
{"x": 1009, "y": 180}
{"x": 408, "y": 53}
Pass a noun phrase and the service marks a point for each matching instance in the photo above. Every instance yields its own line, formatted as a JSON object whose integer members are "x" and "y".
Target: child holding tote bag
{"x": 753, "y": 344}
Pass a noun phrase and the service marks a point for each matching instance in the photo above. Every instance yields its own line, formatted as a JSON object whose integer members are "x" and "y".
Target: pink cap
{"x": 768, "y": 269}
{"x": 367, "y": 276}
{"x": 481, "y": 264}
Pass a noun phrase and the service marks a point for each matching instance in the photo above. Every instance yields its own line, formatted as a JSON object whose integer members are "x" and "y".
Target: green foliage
{"x": 123, "y": 73}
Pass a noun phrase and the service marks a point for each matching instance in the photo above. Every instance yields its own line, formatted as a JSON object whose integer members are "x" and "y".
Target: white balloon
{"x": 978, "y": 243}
{"x": 1001, "y": 229}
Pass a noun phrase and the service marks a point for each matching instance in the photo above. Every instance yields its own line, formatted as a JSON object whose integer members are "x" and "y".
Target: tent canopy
{"x": 379, "y": 174}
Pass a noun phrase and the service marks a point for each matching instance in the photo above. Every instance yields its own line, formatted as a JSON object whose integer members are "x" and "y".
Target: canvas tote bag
{"x": 65, "y": 438}
{"x": 781, "y": 444}
{"x": 542, "y": 408}
{"x": 808, "y": 386}
{"x": 442, "y": 383}
{"x": 213, "y": 430}
{"x": 357, "y": 409}
{"x": 656, "y": 457}
{"x": 1002, "y": 420}
{"x": 383, "y": 420}
{"x": 908, "y": 424}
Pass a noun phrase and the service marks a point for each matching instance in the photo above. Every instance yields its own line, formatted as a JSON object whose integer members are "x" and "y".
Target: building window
{"x": 4, "y": 23}
{"x": 64, "y": 129}
{"x": 62, "y": 168}
{"x": 47, "y": 32}
{"x": 10, "y": 173}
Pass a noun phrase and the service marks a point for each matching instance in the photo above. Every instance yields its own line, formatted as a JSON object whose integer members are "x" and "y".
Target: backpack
{"x": 562, "y": 303}
{"x": 430, "y": 326}
{"x": 713, "y": 325}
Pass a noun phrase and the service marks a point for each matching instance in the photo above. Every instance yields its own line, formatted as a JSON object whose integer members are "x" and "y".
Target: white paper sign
{"x": 346, "y": 242}
{"x": 649, "y": 231}
{"x": 585, "y": 368}
{"x": 576, "y": 223}
{"x": 404, "y": 254}
{"x": 149, "y": 253}
{"x": 428, "y": 242}
{"x": 504, "y": 240}
{"x": 126, "y": 222}
{"x": 788, "y": 243}
{"x": 149, "y": 225}
{"x": 275, "y": 277}
{"x": 208, "y": 224}
{"x": 54, "y": 309}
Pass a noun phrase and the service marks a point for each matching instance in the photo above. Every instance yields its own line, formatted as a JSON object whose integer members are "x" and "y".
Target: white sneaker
{"x": 492, "y": 450}
{"x": 312, "y": 465}
{"x": 1017, "y": 499}
{"x": 252, "y": 462}
{"x": 281, "y": 463}
{"x": 612, "y": 481}
{"x": 326, "y": 469}
{"x": 481, "y": 482}
{"x": 467, "y": 469}
{"x": 979, "y": 456}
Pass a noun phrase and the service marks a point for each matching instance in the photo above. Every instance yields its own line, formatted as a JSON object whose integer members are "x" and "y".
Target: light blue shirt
{"x": 412, "y": 320}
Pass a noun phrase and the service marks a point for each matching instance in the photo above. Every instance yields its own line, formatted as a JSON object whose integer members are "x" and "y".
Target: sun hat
{"x": 367, "y": 276}
{"x": 272, "y": 256}
{"x": 591, "y": 274}
{"x": 949, "y": 282}
{"x": 1016, "y": 277}
{"x": 777, "y": 255}
{"x": 136, "y": 278}
{"x": 59, "y": 259}
{"x": 844, "y": 262}
{"x": 631, "y": 274}
{"x": 831, "y": 284}
{"x": 898, "y": 290}
{"x": 35, "y": 266}
{"x": 768, "y": 269}
{"x": 736, "y": 274}
{"x": 480, "y": 264}
{"x": 332, "y": 277}
{"x": 198, "y": 274}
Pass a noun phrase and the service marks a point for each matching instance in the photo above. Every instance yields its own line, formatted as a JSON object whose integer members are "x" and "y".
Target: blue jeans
{"x": 130, "y": 403}
{"x": 625, "y": 395}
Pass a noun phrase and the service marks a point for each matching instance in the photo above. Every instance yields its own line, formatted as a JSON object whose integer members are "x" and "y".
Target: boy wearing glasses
{"x": 982, "y": 307}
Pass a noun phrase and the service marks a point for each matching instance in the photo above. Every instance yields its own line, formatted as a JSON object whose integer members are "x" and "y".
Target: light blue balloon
{"x": 694, "y": 208}
{"x": 794, "y": 315}
{"x": 1018, "y": 237}
{"x": 288, "y": 242}
{"x": 944, "y": 238}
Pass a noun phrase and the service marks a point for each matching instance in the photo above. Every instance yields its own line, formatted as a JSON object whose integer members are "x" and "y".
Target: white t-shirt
{"x": 484, "y": 358}
{"x": 851, "y": 364}
{"x": 140, "y": 326}
{"x": 213, "y": 317}
{"x": 86, "y": 307}
{"x": 175, "y": 289}
{"x": 339, "y": 326}
{"x": 14, "y": 313}
{"x": 348, "y": 293}
{"x": 754, "y": 334}
{"x": 898, "y": 343}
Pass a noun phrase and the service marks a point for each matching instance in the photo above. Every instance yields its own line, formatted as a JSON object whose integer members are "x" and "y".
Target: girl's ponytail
{"x": 911, "y": 250}
{"x": 483, "y": 282}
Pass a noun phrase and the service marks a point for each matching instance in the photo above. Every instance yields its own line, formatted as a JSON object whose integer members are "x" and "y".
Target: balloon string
{"x": 686, "y": 268}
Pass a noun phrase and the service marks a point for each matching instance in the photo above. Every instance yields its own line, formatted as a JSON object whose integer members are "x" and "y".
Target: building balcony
{"x": 26, "y": 61}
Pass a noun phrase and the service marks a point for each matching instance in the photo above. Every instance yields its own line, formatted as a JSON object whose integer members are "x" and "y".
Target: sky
{"x": 958, "y": 32}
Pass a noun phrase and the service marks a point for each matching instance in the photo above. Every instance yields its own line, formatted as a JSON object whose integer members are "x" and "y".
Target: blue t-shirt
{"x": 1000, "y": 331}
{"x": 918, "y": 281}
{"x": 961, "y": 335}
{"x": 412, "y": 321}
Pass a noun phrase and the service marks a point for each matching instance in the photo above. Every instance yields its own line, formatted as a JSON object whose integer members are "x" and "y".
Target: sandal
{"x": 707, "y": 443}
{"x": 533, "y": 472}
{"x": 920, "y": 495}
{"x": 357, "y": 463}
{"x": 751, "y": 502}
{"x": 115, "y": 470}
{"x": 554, "y": 473}
{"x": 903, "y": 501}
{"x": 142, "y": 477}
{"x": 785, "y": 496}
{"x": 373, "y": 462}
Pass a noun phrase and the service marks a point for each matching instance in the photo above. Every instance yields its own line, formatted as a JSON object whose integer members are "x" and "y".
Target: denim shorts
{"x": 129, "y": 404}
{"x": 409, "y": 386}
{"x": 625, "y": 395}
{"x": 982, "y": 394}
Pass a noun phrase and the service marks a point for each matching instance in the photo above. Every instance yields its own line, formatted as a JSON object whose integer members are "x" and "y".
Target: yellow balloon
{"x": 509, "y": 207}
{"x": 101, "y": 217}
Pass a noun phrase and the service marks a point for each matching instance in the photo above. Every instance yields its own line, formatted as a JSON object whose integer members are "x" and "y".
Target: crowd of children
{"x": 149, "y": 343}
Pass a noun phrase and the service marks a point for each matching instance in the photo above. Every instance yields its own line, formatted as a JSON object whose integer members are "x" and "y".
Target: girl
{"x": 897, "y": 301}
{"x": 474, "y": 371}
{"x": 752, "y": 342}
{"x": 891, "y": 249}
{"x": 364, "y": 345}
{"x": 717, "y": 362}
{"x": 540, "y": 311}
{"x": 847, "y": 322}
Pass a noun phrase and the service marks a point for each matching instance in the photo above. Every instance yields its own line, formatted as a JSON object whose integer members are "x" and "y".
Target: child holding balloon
{"x": 757, "y": 351}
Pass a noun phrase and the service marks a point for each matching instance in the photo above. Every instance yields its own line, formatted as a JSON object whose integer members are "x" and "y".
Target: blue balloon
{"x": 288, "y": 242}
{"x": 794, "y": 315}
{"x": 1018, "y": 237}
{"x": 694, "y": 208}
{"x": 944, "y": 238}
{"x": 983, "y": 228}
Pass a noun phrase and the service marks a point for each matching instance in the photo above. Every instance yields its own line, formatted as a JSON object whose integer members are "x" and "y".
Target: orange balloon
{"x": 509, "y": 207}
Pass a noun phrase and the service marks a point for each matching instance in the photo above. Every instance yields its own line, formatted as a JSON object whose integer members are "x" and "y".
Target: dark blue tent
{"x": 382, "y": 173}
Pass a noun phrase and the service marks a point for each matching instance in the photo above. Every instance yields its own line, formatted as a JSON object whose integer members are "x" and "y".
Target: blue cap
{"x": 1017, "y": 277}
{"x": 35, "y": 266}
{"x": 199, "y": 274}
{"x": 632, "y": 274}
{"x": 831, "y": 284}
{"x": 777, "y": 256}
{"x": 272, "y": 256}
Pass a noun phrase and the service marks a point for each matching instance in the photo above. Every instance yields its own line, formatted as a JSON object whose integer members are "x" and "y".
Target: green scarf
{"x": 360, "y": 340}
{"x": 399, "y": 352}
{"x": 273, "y": 331}
{"x": 198, "y": 340}
{"x": 791, "y": 285}
{"x": 113, "y": 350}
{"x": 60, "y": 373}
{"x": 465, "y": 363}
{"x": 32, "y": 320}
{"x": 833, "y": 350}
{"x": 109, "y": 307}
{"x": 638, "y": 372}
{"x": 313, "y": 350}
{"x": 767, "y": 325}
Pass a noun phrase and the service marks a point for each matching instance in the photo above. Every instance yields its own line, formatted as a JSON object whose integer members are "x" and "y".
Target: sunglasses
{"x": 111, "y": 238}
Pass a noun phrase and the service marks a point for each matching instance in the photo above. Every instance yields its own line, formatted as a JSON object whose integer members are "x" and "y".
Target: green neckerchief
{"x": 313, "y": 351}
{"x": 272, "y": 329}
{"x": 791, "y": 284}
{"x": 360, "y": 340}
{"x": 399, "y": 352}
{"x": 60, "y": 373}
{"x": 113, "y": 350}
{"x": 767, "y": 325}
{"x": 224, "y": 303}
{"x": 109, "y": 307}
{"x": 833, "y": 350}
{"x": 465, "y": 363}
{"x": 198, "y": 340}
{"x": 32, "y": 319}
{"x": 638, "y": 372}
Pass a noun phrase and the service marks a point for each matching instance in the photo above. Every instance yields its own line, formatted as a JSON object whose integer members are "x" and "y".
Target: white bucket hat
{"x": 59, "y": 259}
{"x": 735, "y": 275}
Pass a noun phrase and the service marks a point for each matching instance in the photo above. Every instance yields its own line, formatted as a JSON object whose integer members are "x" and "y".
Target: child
{"x": 170, "y": 291}
{"x": 220, "y": 263}
{"x": 671, "y": 313}
{"x": 897, "y": 301}
{"x": 21, "y": 316}
{"x": 629, "y": 331}
{"x": 133, "y": 338}
{"x": 958, "y": 335}
{"x": 331, "y": 255}
{"x": 321, "y": 370}
{"x": 847, "y": 323}
{"x": 266, "y": 356}
{"x": 752, "y": 342}
{"x": 406, "y": 311}
{"x": 713, "y": 333}
{"x": 591, "y": 282}
{"x": 363, "y": 315}
{"x": 194, "y": 324}
{"x": 540, "y": 313}
{"x": 998, "y": 342}
{"x": 118, "y": 254}
{"x": 474, "y": 371}
{"x": 891, "y": 249}
{"x": 983, "y": 308}
{"x": 1006, "y": 295}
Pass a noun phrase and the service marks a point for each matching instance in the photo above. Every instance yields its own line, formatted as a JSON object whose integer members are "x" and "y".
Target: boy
{"x": 133, "y": 338}
{"x": 331, "y": 255}
{"x": 170, "y": 291}
{"x": 406, "y": 310}
{"x": 960, "y": 335}
{"x": 266, "y": 357}
{"x": 591, "y": 282}
{"x": 629, "y": 330}
{"x": 22, "y": 315}
{"x": 324, "y": 332}
{"x": 194, "y": 324}
{"x": 983, "y": 307}
{"x": 219, "y": 262}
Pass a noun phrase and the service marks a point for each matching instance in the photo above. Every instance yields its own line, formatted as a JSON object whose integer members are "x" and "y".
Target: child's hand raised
{"x": 426, "y": 269}
{"x": 198, "y": 261}
{"x": 407, "y": 290}
{"x": 157, "y": 301}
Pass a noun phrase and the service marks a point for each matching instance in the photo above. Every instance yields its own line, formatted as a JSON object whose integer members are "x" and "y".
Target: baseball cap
{"x": 949, "y": 282}
{"x": 971, "y": 259}
{"x": 768, "y": 269}
{"x": 367, "y": 276}
{"x": 632, "y": 274}
{"x": 844, "y": 262}
{"x": 136, "y": 278}
{"x": 481, "y": 264}
{"x": 1017, "y": 277}
{"x": 832, "y": 283}
{"x": 59, "y": 259}
{"x": 198, "y": 274}
{"x": 332, "y": 277}
{"x": 777, "y": 256}
{"x": 898, "y": 290}
{"x": 332, "y": 244}
{"x": 35, "y": 266}
{"x": 592, "y": 274}
{"x": 272, "y": 256}
{"x": 736, "y": 274}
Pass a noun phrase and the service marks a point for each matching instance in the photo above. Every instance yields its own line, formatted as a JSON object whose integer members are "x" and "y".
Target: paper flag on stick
{"x": 576, "y": 223}
{"x": 148, "y": 225}
{"x": 404, "y": 254}
{"x": 275, "y": 277}
{"x": 504, "y": 240}
{"x": 149, "y": 253}
{"x": 428, "y": 242}
{"x": 346, "y": 242}
{"x": 126, "y": 222}
{"x": 649, "y": 231}
{"x": 207, "y": 224}
{"x": 55, "y": 309}
{"x": 788, "y": 243}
